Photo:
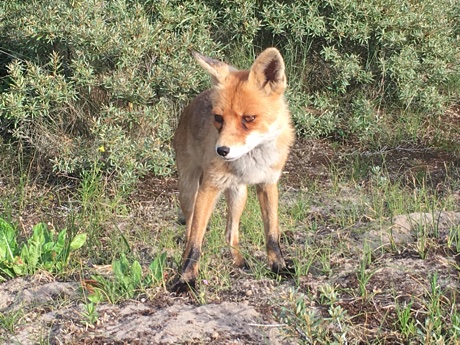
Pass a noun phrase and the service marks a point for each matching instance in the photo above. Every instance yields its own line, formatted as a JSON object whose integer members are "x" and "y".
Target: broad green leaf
{"x": 78, "y": 241}
{"x": 120, "y": 272}
{"x": 60, "y": 242}
{"x": 157, "y": 267}
{"x": 96, "y": 297}
{"x": 32, "y": 252}
{"x": 48, "y": 247}
{"x": 19, "y": 267}
{"x": 25, "y": 255}
{"x": 6, "y": 270}
{"x": 8, "y": 245}
{"x": 136, "y": 273}
{"x": 38, "y": 236}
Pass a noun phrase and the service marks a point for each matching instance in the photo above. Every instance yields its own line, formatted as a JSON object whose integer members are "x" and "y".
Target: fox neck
{"x": 256, "y": 166}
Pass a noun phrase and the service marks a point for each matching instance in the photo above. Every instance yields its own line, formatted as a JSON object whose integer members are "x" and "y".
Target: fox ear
{"x": 218, "y": 70}
{"x": 267, "y": 72}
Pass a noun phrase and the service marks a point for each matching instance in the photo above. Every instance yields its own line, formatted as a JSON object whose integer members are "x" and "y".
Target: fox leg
{"x": 204, "y": 204}
{"x": 188, "y": 189}
{"x": 236, "y": 200}
{"x": 268, "y": 199}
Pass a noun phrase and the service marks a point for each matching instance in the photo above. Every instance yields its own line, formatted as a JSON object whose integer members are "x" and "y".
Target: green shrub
{"x": 100, "y": 81}
{"x": 396, "y": 58}
{"x": 391, "y": 55}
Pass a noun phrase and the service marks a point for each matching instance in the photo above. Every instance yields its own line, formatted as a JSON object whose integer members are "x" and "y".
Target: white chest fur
{"x": 257, "y": 165}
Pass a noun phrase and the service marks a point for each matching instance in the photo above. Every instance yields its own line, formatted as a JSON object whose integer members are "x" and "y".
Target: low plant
{"x": 308, "y": 326}
{"x": 454, "y": 332}
{"x": 364, "y": 275}
{"x": 157, "y": 269}
{"x": 90, "y": 314}
{"x": 328, "y": 294}
{"x": 453, "y": 239}
{"x": 9, "y": 320}
{"x": 422, "y": 244}
{"x": 43, "y": 250}
{"x": 435, "y": 316}
{"x": 128, "y": 280}
{"x": 405, "y": 322}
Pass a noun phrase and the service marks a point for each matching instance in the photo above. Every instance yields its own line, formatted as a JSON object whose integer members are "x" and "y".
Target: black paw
{"x": 244, "y": 266}
{"x": 181, "y": 221}
{"x": 181, "y": 287}
{"x": 285, "y": 271}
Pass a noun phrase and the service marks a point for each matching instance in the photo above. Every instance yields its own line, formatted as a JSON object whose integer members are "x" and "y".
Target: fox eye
{"x": 218, "y": 118}
{"x": 249, "y": 118}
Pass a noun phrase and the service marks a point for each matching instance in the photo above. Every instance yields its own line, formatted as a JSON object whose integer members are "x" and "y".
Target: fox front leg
{"x": 268, "y": 199}
{"x": 235, "y": 197}
{"x": 204, "y": 204}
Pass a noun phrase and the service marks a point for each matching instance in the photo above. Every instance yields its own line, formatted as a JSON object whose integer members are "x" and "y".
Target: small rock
{"x": 248, "y": 293}
{"x": 214, "y": 335}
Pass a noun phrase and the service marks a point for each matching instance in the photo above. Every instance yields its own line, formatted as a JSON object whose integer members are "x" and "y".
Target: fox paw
{"x": 183, "y": 287}
{"x": 243, "y": 265}
{"x": 285, "y": 271}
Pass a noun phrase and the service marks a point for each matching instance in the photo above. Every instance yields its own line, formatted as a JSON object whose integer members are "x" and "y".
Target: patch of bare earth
{"x": 55, "y": 311}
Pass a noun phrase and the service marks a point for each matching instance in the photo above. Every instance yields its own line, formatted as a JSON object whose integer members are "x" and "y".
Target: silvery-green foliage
{"x": 89, "y": 82}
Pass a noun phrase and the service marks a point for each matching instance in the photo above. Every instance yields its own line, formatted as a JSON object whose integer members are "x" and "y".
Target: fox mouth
{"x": 230, "y": 159}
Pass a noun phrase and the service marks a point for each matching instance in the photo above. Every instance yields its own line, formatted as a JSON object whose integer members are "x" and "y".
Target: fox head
{"x": 248, "y": 107}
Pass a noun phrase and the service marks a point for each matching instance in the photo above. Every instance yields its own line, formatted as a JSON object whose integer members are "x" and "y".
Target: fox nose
{"x": 223, "y": 150}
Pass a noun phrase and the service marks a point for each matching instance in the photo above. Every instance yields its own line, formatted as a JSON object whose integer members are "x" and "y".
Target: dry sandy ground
{"x": 52, "y": 312}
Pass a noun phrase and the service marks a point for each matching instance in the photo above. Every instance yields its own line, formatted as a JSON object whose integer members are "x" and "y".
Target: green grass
{"x": 362, "y": 194}
{"x": 339, "y": 293}
{"x": 10, "y": 320}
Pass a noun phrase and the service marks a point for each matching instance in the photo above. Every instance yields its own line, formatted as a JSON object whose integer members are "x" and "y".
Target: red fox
{"x": 235, "y": 134}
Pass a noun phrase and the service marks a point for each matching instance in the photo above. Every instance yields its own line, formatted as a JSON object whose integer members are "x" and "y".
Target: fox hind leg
{"x": 188, "y": 189}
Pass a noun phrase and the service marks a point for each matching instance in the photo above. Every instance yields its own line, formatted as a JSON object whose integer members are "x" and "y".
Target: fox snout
{"x": 223, "y": 151}
{"x": 233, "y": 152}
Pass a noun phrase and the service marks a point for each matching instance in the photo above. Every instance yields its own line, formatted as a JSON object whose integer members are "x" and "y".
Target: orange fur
{"x": 239, "y": 132}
